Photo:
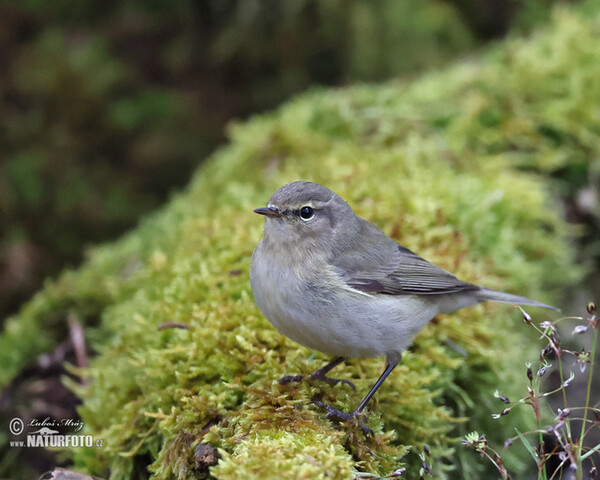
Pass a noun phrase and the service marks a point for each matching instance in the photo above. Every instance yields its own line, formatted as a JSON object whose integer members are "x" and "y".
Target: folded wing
{"x": 384, "y": 266}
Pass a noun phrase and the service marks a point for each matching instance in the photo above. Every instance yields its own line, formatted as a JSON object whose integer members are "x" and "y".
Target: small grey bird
{"x": 336, "y": 283}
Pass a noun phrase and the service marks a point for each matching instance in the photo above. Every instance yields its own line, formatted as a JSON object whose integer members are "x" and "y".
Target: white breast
{"x": 321, "y": 312}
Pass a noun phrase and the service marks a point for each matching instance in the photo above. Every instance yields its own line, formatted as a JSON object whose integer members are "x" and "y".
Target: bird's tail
{"x": 487, "y": 294}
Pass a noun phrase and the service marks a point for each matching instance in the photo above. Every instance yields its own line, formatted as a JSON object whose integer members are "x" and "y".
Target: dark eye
{"x": 306, "y": 213}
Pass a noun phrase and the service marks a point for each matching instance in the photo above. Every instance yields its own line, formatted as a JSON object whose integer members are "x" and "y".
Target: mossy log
{"x": 453, "y": 165}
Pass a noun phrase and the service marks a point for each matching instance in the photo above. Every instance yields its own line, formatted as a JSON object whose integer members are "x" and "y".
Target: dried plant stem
{"x": 580, "y": 445}
{"x": 564, "y": 394}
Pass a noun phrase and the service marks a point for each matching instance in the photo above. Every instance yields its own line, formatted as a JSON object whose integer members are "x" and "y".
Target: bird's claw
{"x": 334, "y": 413}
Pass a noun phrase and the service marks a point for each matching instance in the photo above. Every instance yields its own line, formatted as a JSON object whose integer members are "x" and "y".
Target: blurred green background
{"x": 107, "y": 107}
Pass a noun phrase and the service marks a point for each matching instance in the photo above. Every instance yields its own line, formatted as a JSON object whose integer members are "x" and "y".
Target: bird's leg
{"x": 320, "y": 374}
{"x": 343, "y": 416}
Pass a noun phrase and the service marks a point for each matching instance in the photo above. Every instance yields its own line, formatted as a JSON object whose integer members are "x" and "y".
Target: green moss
{"x": 303, "y": 455}
{"x": 438, "y": 164}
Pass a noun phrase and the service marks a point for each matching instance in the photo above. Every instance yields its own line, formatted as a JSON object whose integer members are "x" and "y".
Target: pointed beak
{"x": 269, "y": 212}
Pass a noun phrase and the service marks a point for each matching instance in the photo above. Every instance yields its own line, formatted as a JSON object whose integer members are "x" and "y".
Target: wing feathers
{"x": 392, "y": 269}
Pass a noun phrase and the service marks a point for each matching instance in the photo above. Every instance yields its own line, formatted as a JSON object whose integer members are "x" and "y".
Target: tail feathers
{"x": 487, "y": 294}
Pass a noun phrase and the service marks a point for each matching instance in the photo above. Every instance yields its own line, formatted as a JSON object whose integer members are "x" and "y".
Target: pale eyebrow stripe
{"x": 297, "y": 206}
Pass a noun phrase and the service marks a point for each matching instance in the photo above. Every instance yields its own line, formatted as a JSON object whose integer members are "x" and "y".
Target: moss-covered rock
{"x": 447, "y": 165}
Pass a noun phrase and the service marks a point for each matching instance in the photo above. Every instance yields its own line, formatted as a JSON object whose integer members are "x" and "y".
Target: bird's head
{"x": 307, "y": 215}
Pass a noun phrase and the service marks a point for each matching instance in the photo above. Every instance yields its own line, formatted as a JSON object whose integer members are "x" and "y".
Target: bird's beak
{"x": 269, "y": 212}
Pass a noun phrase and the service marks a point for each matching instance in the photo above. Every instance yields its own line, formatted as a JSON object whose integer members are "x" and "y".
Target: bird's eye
{"x": 306, "y": 213}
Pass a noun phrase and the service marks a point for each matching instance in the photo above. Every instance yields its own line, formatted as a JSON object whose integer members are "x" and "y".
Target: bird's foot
{"x": 317, "y": 376}
{"x": 320, "y": 376}
{"x": 335, "y": 414}
{"x": 290, "y": 379}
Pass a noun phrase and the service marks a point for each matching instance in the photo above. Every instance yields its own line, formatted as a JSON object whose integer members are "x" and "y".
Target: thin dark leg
{"x": 384, "y": 375}
{"x": 323, "y": 371}
{"x": 338, "y": 414}
{"x": 320, "y": 374}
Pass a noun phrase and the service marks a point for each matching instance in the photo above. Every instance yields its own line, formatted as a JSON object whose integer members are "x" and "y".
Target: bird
{"x": 334, "y": 282}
